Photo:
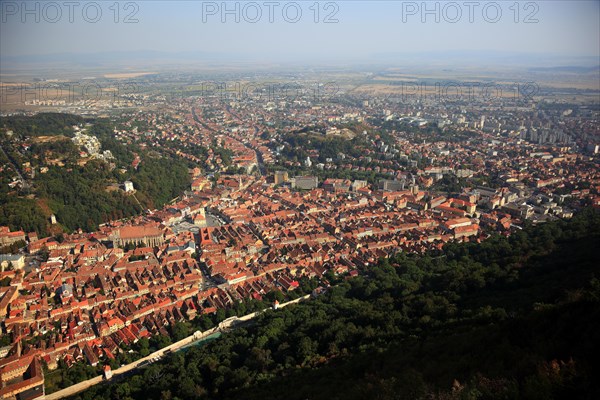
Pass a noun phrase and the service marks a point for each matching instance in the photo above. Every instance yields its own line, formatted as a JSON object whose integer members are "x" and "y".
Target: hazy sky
{"x": 363, "y": 28}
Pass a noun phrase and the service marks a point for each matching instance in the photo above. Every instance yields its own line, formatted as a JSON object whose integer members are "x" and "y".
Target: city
{"x": 149, "y": 215}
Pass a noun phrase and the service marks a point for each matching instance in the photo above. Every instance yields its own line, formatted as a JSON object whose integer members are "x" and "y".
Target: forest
{"x": 80, "y": 195}
{"x": 328, "y": 146}
{"x": 79, "y": 199}
{"x": 42, "y": 124}
{"x": 508, "y": 318}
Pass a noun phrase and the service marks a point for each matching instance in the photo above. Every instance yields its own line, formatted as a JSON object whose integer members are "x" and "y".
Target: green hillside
{"x": 82, "y": 192}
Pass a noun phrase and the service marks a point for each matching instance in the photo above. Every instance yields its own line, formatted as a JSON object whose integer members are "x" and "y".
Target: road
{"x": 199, "y": 121}
{"x": 78, "y": 387}
{"x": 259, "y": 160}
{"x": 226, "y": 325}
{"x": 16, "y": 167}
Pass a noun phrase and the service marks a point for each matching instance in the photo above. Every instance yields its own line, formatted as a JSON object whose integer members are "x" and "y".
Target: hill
{"x": 507, "y": 318}
{"x": 42, "y": 124}
{"x": 43, "y": 172}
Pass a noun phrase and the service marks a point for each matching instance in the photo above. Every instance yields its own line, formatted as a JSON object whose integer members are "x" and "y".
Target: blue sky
{"x": 364, "y": 29}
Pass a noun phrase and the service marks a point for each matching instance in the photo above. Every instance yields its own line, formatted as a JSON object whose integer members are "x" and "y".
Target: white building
{"x": 129, "y": 187}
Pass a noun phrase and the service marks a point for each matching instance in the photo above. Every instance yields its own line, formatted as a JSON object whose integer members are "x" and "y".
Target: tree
{"x": 179, "y": 331}
{"x": 220, "y": 315}
{"x": 429, "y": 313}
{"x": 143, "y": 346}
{"x": 166, "y": 395}
{"x": 306, "y": 350}
{"x": 160, "y": 341}
{"x": 275, "y": 295}
{"x": 44, "y": 254}
{"x": 204, "y": 322}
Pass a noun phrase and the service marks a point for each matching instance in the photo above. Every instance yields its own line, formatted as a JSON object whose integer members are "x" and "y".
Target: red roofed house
{"x": 148, "y": 234}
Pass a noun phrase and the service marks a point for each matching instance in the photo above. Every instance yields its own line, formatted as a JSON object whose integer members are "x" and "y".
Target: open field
{"x": 20, "y": 91}
{"x": 127, "y": 75}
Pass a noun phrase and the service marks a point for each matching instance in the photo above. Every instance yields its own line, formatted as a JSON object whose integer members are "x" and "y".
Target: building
{"x": 593, "y": 148}
{"x": 7, "y": 295}
{"x": 107, "y": 372}
{"x": 23, "y": 379}
{"x": 391, "y": 185}
{"x": 281, "y": 177}
{"x": 7, "y": 237}
{"x": 305, "y": 182}
{"x": 357, "y": 184}
{"x": 199, "y": 184}
{"x": 16, "y": 260}
{"x": 65, "y": 290}
{"x": 464, "y": 173}
{"x": 200, "y": 218}
{"x": 147, "y": 235}
{"x": 91, "y": 358}
{"x": 337, "y": 185}
{"x": 129, "y": 187}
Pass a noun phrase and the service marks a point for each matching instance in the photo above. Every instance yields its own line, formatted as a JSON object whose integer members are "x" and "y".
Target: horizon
{"x": 380, "y": 32}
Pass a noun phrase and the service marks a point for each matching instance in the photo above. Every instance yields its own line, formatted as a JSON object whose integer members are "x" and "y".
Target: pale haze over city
{"x": 296, "y": 31}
